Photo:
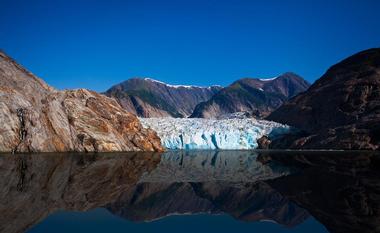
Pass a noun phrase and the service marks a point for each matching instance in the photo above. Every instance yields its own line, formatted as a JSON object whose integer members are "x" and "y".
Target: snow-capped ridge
{"x": 180, "y": 86}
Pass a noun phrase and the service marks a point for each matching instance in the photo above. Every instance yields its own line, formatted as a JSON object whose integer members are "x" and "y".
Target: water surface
{"x": 197, "y": 191}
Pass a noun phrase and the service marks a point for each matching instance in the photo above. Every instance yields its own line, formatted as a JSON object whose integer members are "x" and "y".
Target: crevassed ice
{"x": 198, "y": 133}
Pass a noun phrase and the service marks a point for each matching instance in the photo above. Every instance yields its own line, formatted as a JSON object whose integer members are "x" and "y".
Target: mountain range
{"x": 341, "y": 110}
{"x": 147, "y": 97}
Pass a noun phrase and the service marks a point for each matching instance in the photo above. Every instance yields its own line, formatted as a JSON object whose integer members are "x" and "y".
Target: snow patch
{"x": 268, "y": 79}
{"x": 199, "y": 133}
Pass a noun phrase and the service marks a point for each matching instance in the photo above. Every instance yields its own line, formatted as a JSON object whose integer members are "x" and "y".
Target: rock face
{"x": 341, "y": 110}
{"x": 37, "y": 118}
{"x": 257, "y": 96}
{"x": 147, "y": 97}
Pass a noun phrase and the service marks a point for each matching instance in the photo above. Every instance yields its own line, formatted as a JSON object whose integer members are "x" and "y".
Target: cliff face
{"x": 341, "y": 110}
{"x": 151, "y": 98}
{"x": 257, "y": 96}
{"x": 37, "y": 118}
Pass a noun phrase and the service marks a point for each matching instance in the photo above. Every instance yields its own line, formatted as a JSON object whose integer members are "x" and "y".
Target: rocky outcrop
{"x": 147, "y": 97}
{"x": 341, "y": 110}
{"x": 263, "y": 142}
{"x": 258, "y": 97}
{"x": 37, "y": 118}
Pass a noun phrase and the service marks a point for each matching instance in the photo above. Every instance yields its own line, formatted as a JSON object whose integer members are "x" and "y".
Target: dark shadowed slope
{"x": 341, "y": 110}
{"x": 258, "y": 96}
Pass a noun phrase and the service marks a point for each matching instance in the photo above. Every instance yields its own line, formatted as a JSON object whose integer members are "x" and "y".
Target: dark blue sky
{"x": 95, "y": 44}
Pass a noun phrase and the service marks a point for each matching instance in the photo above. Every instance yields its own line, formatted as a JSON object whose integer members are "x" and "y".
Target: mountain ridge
{"x": 255, "y": 95}
{"x": 147, "y": 97}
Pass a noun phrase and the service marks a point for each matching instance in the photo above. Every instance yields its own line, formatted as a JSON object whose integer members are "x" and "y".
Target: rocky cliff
{"x": 341, "y": 110}
{"x": 147, "y": 97}
{"x": 36, "y": 117}
{"x": 259, "y": 97}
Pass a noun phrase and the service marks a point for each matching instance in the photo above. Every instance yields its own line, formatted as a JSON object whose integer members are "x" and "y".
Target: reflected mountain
{"x": 339, "y": 189}
{"x": 209, "y": 182}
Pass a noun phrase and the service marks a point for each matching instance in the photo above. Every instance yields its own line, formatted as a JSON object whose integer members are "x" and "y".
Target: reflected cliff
{"x": 338, "y": 189}
{"x": 34, "y": 186}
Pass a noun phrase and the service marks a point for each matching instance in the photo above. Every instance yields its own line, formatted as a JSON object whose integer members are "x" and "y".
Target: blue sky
{"x": 96, "y": 44}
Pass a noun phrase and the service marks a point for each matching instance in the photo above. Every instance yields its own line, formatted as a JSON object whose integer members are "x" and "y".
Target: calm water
{"x": 200, "y": 191}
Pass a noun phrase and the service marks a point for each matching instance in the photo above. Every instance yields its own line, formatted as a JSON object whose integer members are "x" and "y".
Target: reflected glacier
{"x": 208, "y": 166}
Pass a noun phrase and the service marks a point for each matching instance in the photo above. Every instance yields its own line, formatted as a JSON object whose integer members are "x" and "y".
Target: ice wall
{"x": 199, "y": 133}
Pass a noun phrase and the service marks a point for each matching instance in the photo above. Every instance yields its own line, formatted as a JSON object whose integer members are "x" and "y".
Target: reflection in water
{"x": 207, "y": 166}
{"x": 34, "y": 186}
{"x": 339, "y": 189}
{"x": 209, "y": 182}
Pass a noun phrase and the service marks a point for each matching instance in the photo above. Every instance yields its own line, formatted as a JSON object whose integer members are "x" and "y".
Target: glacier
{"x": 212, "y": 134}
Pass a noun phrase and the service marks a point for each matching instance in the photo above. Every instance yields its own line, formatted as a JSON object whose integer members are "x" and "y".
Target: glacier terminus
{"x": 212, "y": 134}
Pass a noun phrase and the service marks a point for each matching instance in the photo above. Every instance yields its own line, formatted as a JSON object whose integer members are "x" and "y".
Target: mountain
{"x": 36, "y": 117}
{"x": 147, "y": 97}
{"x": 341, "y": 110}
{"x": 257, "y": 96}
